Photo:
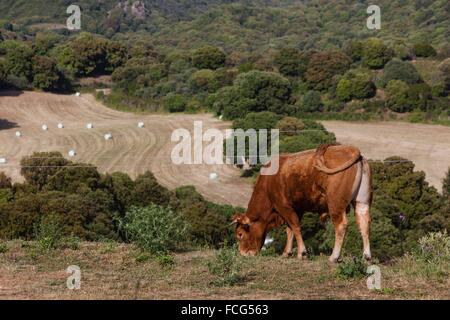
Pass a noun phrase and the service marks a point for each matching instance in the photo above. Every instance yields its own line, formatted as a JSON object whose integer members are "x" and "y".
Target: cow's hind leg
{"x": 362, "y": 216}
{"x": 339, "y": 219}
{"x": 289, "y": 242}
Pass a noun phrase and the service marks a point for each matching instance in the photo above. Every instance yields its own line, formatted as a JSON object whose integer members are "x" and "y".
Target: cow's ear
{"x": 237, "y": 218}
{"x": 241, "y": 219}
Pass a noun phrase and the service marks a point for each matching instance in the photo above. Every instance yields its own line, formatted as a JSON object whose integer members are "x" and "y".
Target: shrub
{"x": 290, "y": 62}
{"x": 47, "y": 233}
{"x": 208, "y": 223}
{"x": 290, "y": 126}
{"x": 434, "y": 247}
{"x": 226, "y": 267}
{"x": 154, "y": 228}
{"x": 254, "y": 91}
{"x": 3, "y": 247}
{"x": 175, "y": 103}
{"x": 400, "y": 70}
{"x": 355, "y": 84}
{"x": 5, "y": 181}
{"x": 351, "y": 268}
{"x": 322, "y": 68}
{"x": 375, "y": 53}
{"x": 397, "y": 96}
{"x": 208, "y": 57}
{"x": 312, "y": 102}
{"x": 165, "y": 259}
{"x": 424, "y": 50}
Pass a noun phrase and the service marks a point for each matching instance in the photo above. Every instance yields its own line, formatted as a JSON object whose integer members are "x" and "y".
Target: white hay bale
{"x": 44, "y": 127}
{"x": 2, "y": 160}
{"x": 213, "y": 176}
{"x": 108, "y": 136}
{"x": 18, "y": 134}
{"x": 60, "y": 126}
{"x": 221, "y": 117}
{"x": 141, "y": 125}
{"x": 89, "y": 126}
{"x": 77, "y": 94}
{"x": 72, "y": 153}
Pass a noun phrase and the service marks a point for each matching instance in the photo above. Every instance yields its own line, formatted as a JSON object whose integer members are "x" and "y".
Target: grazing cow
{"x": 326, "y": 181}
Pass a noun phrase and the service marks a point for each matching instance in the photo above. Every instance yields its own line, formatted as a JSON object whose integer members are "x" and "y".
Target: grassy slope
{"x": 111, "y": 271}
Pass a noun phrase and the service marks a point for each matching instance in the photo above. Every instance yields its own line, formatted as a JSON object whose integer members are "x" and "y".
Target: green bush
{"x": 226, "y": 267}
{"x": 175, "y": 103}
{"x": 208, "y": 223}
{"x": 424, "y": 50}
{"x": 254, "y": 91}
{"x": 434, "y": 247}
{"x": 400, "y": 70}
{"x": 165, "y": 259}
{"x": 208, "y": 57}
{"x": 375, "y": 53}
{"x": 3, "y": 247}
{"x": 154, "y": 228}
{"x": 312, "y": 102}
{"x": 47, "y": 233}
{"x": 397, "y": 96}
{"x": 351, "y": 268}
{"x": 355, "y": 84}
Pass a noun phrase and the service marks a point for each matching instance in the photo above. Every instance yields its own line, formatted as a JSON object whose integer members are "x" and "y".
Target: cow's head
{"x": 250, "y": 234}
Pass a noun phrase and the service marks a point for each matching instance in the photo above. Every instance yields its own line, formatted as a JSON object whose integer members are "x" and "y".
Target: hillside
{"x": 246, "y": 25}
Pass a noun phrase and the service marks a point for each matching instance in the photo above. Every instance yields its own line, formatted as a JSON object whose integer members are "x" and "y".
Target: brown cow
{"x": 326, "y": 180}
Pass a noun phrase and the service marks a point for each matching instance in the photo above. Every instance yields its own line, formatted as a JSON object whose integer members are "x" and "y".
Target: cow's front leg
{"x": 293, "y": 222}
{"x": 289, "y": 242}
{"x": 340, "y": 227}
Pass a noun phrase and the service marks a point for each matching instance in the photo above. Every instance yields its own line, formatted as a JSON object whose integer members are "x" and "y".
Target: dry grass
{"x": 120, "y": 272}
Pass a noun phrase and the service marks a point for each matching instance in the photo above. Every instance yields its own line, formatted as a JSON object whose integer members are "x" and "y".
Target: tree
{"x": 254, "y": 91}
{"x": 38, "y": 168}
{"x": 354, "y": 49}
{"x": 208, "y": 57}
{"x": 375, "y": 53}
{"x": 175, "y": 103}
{"x": 397, "y": 96}
{"x": 323, "y": 66}
{"x": 290, "y": 126}
{"x": 400, "y": 70}
{"x": 355, "y": 84}
{"x": 312, "y": 102}
{"x": 46, "y": 75}
{"x": 203, "y": 80}
{"x": 290, "y": 62}
{"x": 17, "y": 58}
{"x": 3, "y": 73}
{"x": 446, "y": 184}
{"x": 424, "y": 50}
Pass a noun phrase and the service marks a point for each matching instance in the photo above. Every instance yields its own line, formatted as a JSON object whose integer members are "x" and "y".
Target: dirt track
{"x": 132, "y": 149}
{"x": 428, "y": 146}
{"x": 135, "y": 150}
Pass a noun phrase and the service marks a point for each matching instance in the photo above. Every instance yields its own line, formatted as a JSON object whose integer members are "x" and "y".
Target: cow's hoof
{"x": 367, "y": 257}
{"x": 333, "y": 259}
{"x": 286, "y": 254}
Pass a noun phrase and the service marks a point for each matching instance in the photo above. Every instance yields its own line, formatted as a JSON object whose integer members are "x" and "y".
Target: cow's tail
{"x": 320, "y": 161}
